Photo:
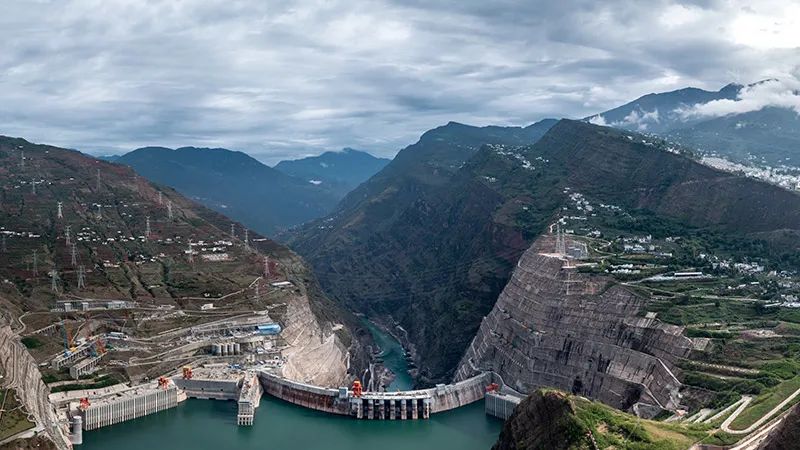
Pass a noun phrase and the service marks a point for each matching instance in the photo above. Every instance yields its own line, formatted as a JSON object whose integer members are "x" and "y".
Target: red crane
{"x": 163, "y": 382}
{"x": 357, "y": 388}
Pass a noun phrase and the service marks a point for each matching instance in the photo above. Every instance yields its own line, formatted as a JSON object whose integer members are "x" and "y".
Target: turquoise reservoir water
{"x": 211, "y": 425}
{"x": 393, "y": 357}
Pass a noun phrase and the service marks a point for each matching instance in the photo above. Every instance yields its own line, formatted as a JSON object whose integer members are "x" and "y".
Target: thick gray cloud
{"x": 284, "y": 79}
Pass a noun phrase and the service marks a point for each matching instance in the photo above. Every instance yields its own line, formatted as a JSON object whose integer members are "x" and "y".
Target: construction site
{"x": 113, "y": 285}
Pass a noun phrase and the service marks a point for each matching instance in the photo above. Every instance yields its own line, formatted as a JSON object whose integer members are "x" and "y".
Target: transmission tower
{"x": 160, "y": 200}
{"x": 266, "y": 268}
{"x": 233, "y": 231}
{"x": 246, "y": 239}
{"x": 33, "y": 186}
{"x": 60, "y": 211}
{"x": 35, "y": 269}
{"x": 74, "y": 255}
{"x": 169, "y": 209}
{"x": 66, "y": 235}
{"x": 561, "y": 245}
{"x": 54, "y": 280}
{"x": 81, "y": 277}
{"x": 147, "y": 228}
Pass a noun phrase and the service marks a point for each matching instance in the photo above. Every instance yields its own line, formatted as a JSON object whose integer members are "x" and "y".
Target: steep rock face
{"x": 786, "y": 435}
{"x": 545, "y": 420}
{"x": 555, "y": 327}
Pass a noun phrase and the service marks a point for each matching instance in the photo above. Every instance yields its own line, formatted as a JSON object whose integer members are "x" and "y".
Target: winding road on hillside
{"x": 726, "y": 424}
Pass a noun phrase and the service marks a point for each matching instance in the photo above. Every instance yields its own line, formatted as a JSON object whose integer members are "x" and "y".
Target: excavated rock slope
{"x": 553, "y": 326}
{"x": 786, "y": 435}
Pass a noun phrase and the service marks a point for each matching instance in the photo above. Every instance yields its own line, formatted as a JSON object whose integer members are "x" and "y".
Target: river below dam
{"x": 211, "y": 425}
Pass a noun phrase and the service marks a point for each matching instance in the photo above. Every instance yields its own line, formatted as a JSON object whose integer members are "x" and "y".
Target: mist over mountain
{"x": 340, "y": 172}
{"x": 234, "y": 184}
{"x": 758, "y": 122}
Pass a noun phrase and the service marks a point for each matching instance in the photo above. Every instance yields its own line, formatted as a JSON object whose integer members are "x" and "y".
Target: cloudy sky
{"x": 282, "y": 79}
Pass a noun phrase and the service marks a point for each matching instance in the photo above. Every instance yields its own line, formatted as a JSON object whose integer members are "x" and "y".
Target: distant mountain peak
{"x": 340, "y": 170}
{"x": 711, "y": 121}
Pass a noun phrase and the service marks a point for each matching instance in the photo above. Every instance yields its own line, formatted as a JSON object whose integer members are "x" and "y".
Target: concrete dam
{"x": 553, "y": 326}
{"x": 402, "y": 405}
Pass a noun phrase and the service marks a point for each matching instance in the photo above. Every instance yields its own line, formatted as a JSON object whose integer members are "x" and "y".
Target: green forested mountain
{"x": 431, "y": 240}
{"x": 340, "y": 172}
{"x": 234, "y": 184}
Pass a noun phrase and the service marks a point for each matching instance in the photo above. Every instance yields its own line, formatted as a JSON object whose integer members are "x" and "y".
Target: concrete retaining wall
{"x": 500, "y": 405}
{"x": 209, "y": 389}
{"x": 313, "y": 397}
{"x": 459, "y": 394}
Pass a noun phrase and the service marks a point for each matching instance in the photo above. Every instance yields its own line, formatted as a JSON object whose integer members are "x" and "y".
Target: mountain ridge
{"x": 450, "y": 233}
{"x": 234, "y": 183}
{"x": 339, "y": 171}
{"x": 767, "y": 135}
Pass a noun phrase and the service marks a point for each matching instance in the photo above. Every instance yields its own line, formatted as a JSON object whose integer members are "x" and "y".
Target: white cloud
{"x": 598, "y": 120}
{"x": 780, "y": 93}
{"x": 637, "y": 119}
{"x": 279, "y": 78}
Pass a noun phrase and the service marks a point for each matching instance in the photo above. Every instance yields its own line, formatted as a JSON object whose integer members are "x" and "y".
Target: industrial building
{"x": 85, "y": 366}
